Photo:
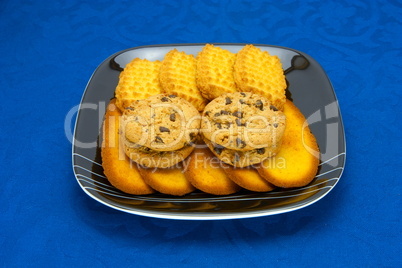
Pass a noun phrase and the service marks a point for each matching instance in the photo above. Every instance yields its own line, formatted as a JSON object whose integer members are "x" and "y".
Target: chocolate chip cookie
{"x": 240, "y": 158}
{"x": 242, "y": 121}
{"x": 159, "y": 131}
{"x": 161, "y": 123}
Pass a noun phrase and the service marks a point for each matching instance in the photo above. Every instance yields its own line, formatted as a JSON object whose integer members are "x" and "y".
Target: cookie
{"x": 214, "y": 75}
{"x": 161, "y": 123}
{"x": 139, "y": 80}
{"x": 204, "y": 171}
{"x": 240, "y": 158}
{"x": 259, "y": 72}
{"x": 296, "y": 163}
{"x": 147, "y": 157}
{"x": 117, "y": 167}
{"x": 243, "y": 121}
{"x": 248, "y": 178}
{"x": 167, "y": 180}
{"x": 177, "y": 76}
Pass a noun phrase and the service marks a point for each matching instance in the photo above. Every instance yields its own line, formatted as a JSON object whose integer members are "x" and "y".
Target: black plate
{"x": 308, "y": 87}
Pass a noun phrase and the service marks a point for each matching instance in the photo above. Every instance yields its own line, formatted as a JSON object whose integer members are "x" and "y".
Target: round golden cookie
{"x": 296, "y": 163}
{"x": 242, "y": 121}
{"x": 240, "y": 158}
{"x": 248, "y": 178}
{"x": 204, "y": 171}
{"x": 117, "y": 167}
{"x": 167, "y": 180}
{"x": 161, "y": 123}
{"x": 147, "y": 157}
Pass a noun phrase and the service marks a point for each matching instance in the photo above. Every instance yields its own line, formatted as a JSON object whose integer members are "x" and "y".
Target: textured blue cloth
{"x": 49, "y": 50}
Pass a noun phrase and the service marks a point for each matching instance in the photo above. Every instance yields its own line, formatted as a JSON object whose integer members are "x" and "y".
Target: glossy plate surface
{"x": 308, "y": 87}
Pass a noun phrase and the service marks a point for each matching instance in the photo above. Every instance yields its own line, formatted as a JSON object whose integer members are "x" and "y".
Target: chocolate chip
{"x": 165, "y": 99}
{"x": 242, "y": 101}
{"x": 238, "y": 114}
{"x": 275, "y": 125}
{"x": 207, "y": 113}
{"x": 240, "y": 143}
{"x": 260, "y": 150}
{"x": 164, "y": 129}
{"x": 236, "y": 158}
{"x": 172, "y": 117}
{"x": 238, "y": 122}
{"x": 223, "y": 112}
{"x": 228, "y": 101}
{"x": 218, "y": 149}
{"x": 218, "y": 125}
{"x": 129, "y": 108}
{"x": 193, "y": 137}
{"x": 144, "y": 149}
{"x": 158, "y": 139}
{"x": 259, "y": 105}
{"x": 243, "y": 94}
{"x": 273, "y": 108}
{"x": 172, "y": 96}
{"x": 217, "y": 114}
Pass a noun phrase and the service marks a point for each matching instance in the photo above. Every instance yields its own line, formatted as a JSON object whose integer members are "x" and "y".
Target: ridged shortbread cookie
{"x": 214, "y": 74}
{"x": 177, "y": 76}
{"x": 259, "y": 72}
{"x": 139, "y": 80}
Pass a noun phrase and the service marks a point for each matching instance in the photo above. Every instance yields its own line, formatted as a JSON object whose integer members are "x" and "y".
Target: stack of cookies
{"x": 242, "y": 129}
{"x": 159, "y": 131}
{"x": 208, "y": 122}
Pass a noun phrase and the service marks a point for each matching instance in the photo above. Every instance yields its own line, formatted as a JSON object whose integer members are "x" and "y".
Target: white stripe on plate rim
{"x": 269, "y": 193}
{"x": 102, "y": 176}
{"x": 188, "y": 200}
{"x": 319, "y": 175}
{"x": 96, "y": 183}
{"x": 99, "y": 164}
{"x": 211, "y": 199}
{"x": 332, "y": 158}
{"x": 90, "y": 171}
{"x": 329, "y": 171}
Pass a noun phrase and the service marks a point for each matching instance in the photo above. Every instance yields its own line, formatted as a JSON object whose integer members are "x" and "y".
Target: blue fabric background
{"x": 49, "y": 50}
